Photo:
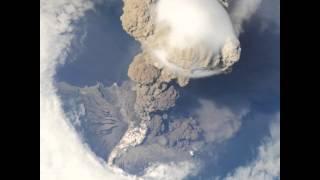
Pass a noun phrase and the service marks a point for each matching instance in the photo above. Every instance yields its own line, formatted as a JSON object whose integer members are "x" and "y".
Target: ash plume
{"x": 180, "y": 39}
{"x": 193, "y": 38}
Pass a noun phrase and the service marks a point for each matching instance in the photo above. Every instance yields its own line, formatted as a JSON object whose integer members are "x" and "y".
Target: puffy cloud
{"x": 171, "y": 171}
{"x": 200, "y": 39}
{"x": 267, "y": 164}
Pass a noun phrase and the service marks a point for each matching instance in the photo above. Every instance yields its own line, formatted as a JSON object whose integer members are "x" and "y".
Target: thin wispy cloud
{"x": 266, "y": 166}
{"x": 241, "y": 12}
{"x": 219, "y": 123}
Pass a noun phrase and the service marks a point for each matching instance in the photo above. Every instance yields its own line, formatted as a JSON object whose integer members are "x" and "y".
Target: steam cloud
{"x": 241, "y": 11}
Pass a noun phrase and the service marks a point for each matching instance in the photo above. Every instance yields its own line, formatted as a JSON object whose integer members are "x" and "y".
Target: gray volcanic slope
{"x": 102, "y": 115}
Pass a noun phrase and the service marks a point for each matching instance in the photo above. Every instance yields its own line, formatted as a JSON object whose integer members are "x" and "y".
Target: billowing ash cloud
{"x": 193, "y": 38}
{"x": 180, "y": 39}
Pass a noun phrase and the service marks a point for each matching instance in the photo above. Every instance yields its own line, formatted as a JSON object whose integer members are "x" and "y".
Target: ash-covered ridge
{"x": 107, "y": 120}
{"x": 100, "y": 114}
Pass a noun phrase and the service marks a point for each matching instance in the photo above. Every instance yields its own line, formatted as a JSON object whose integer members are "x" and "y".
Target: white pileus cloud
{"x": 194, "y": 22}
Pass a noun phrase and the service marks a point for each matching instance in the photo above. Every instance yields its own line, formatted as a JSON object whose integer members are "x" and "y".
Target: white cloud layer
{"x": 267, "y": 164}
{"x": 62, "y": 155}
